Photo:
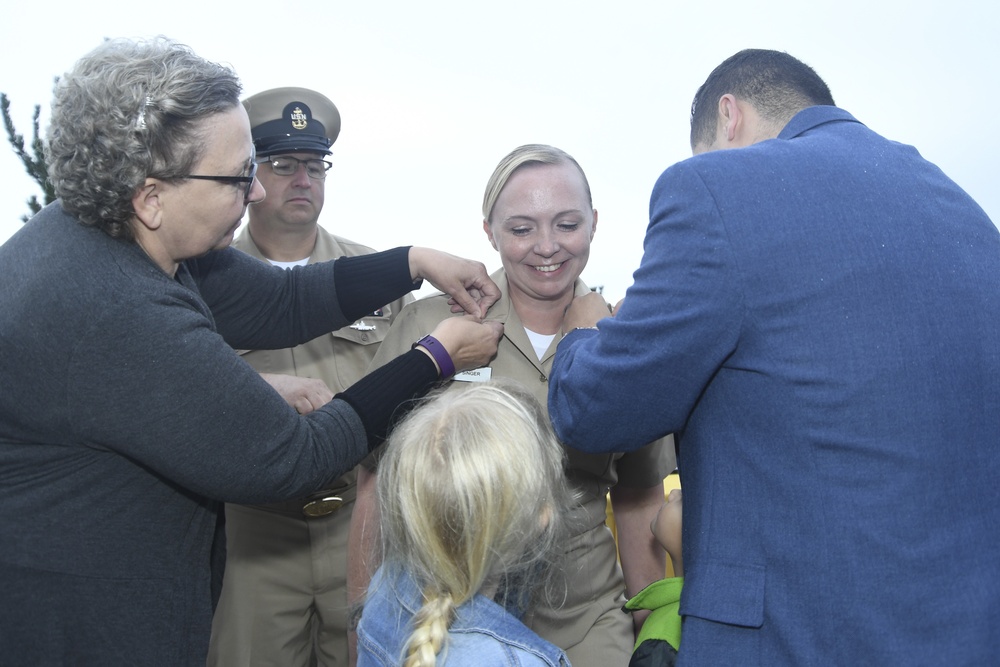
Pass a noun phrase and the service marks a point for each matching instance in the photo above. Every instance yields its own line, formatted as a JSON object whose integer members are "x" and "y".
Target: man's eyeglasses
{"x": 232, "y": 179}
{"x": 283, "y": 165}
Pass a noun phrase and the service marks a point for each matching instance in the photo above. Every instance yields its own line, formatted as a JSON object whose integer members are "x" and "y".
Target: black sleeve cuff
{"x": 367, "y": 282}
{"x": 385, "y": 395}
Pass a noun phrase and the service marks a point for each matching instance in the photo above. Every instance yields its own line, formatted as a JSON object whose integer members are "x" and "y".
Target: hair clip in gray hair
{"x": 141, "y": 121}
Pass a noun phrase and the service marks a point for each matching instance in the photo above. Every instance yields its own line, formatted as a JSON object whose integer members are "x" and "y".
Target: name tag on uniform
{"x": 475, "y": 375}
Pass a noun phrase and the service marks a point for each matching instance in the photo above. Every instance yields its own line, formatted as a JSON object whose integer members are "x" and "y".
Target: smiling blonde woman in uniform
{"x": 539, "y": 216}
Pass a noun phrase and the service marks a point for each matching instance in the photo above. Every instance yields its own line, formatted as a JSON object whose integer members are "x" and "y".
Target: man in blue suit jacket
{"x": 817, "y": 316}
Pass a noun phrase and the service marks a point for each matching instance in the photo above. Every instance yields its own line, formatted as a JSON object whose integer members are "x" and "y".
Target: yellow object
{"x": 671, "y": 481}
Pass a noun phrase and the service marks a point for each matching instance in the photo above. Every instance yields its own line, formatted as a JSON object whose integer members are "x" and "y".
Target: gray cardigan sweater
{"x": 126, "y": 417}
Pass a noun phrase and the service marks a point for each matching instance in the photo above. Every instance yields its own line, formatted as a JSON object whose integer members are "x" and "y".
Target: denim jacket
{"x": 483, "y": 633}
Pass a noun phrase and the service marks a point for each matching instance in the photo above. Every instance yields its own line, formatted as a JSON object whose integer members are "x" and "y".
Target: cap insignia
{"x": 299, "y": 120}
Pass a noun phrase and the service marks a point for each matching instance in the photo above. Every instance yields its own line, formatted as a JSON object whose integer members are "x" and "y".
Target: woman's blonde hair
{"x": 470, "y": 491}
{"x": 522, "y": 156}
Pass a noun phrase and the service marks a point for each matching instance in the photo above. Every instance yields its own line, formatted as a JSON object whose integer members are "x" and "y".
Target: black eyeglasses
{"x": 284, "y": 165}
{"x": 231, "y": 179}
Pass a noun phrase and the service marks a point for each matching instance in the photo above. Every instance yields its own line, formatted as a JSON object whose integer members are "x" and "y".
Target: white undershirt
{"x": 288, "y": 265}
{"x": 539, "y": 341}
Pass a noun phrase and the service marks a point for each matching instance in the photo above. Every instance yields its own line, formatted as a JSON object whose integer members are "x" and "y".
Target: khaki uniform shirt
{"x": 340, "y": 358}
{"x": 284, "y": 593}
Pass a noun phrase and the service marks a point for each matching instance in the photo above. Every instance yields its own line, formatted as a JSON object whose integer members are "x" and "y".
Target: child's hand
{"x": 666, "y": 528}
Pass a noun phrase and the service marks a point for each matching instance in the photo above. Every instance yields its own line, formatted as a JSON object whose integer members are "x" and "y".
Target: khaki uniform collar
{"x": 503, "y": 311}
{"x": 327, "y": 246}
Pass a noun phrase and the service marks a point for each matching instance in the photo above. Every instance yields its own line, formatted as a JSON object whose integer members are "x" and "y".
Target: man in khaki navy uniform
{"x": 589, "y": 624}
{"x": 284, "y": 598}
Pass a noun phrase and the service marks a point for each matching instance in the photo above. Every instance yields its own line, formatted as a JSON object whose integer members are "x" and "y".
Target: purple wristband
{"x": 439, "y": 354}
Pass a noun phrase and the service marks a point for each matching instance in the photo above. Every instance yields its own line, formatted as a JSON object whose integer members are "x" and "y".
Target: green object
{"x": 663, "y": 599}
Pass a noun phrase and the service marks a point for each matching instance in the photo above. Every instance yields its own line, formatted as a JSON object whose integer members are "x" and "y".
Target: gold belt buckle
{"x": 322, "y": 506}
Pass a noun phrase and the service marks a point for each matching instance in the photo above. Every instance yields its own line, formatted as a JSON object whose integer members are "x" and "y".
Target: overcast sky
{"x": 433, "y": 94}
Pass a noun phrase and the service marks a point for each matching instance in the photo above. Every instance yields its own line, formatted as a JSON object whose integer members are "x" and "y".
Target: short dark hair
{"x": 776, "y": 84}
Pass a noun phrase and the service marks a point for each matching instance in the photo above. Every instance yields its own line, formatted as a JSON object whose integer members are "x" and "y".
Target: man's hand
{"x": 464, "y": 280}
{"x": 585, "y": 311}
{"x": 303, "y": 394}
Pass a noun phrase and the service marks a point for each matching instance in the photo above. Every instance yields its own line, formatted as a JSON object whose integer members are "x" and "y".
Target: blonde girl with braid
{"x": 468, "y": 490}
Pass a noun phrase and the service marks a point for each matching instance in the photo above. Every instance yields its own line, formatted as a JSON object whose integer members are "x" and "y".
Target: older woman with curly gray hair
{"x": 128, "y": 417}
